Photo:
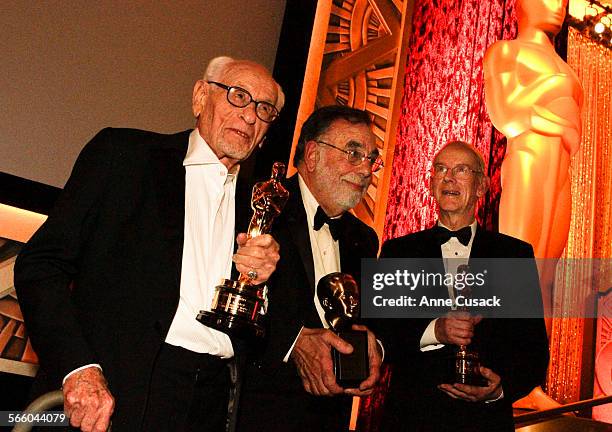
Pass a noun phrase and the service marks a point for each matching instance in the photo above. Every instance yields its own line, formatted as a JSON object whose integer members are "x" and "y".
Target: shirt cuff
{"x": 264, "y": 307}
{"x": 80, "y": 369}
{"x": 428, "y": 339}
{"x": 382, "y": 348}
{"x": 286, "y": 358}
{"x": 501, "y": 396}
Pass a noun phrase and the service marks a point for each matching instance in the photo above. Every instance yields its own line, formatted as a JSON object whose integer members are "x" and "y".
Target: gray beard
{"x": 349, "y": 203}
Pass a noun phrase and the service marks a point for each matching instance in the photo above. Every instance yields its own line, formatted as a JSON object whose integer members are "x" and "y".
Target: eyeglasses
{"x": 240, "y": 98}
{"x": 460, "y": 171}
{"x": 356, "y": 157}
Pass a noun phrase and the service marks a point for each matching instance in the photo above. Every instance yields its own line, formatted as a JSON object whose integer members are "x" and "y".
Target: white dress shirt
{"x": 207, "y": 249}
{"x": 454, "y": 254}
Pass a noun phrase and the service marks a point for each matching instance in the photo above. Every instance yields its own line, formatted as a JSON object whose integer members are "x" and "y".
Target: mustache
{"x": 356, "y": 178}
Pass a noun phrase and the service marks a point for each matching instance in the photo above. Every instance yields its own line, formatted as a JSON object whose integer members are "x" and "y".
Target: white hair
{"x": 218, "y": 66}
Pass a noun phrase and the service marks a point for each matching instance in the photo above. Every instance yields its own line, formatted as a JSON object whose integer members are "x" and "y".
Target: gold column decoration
{"x": 590, "y": 233}
{"x": 16, "y": 354}
{"x": 357, "y": 58}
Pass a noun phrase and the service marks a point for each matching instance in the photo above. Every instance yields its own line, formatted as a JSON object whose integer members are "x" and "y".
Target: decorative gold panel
{"x": 356, "y": 58}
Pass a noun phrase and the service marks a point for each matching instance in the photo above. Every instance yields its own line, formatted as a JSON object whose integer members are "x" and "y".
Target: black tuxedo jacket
{"x": 515, "y": 349}
{"x": 99, "y": 281}
{"x": 273, "y": 398}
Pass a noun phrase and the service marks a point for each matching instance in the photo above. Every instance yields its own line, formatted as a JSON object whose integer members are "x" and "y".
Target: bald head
{"x": 219, "y": 66}
{"x": 462, "y": 146}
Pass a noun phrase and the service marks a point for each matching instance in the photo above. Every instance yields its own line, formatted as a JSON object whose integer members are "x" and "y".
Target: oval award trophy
{"x": 338, "y": 294}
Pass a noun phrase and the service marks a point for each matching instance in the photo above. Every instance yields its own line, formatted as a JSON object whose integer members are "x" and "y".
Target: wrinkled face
{"x": 546, "y": 15}
{"x": 336, "y": 183}
{"x": 457, "y": 196}
{"x": 232, "y": 132}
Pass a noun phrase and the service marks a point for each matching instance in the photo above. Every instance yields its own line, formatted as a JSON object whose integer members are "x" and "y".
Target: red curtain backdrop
{"x": 443, "y": 101}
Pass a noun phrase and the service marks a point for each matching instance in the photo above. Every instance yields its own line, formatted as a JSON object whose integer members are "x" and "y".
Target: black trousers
{"x": 189, "y": 392}
{"x": 265, "y": 412}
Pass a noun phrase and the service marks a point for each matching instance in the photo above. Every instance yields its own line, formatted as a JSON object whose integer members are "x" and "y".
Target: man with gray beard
{"x": 290, "y": 384}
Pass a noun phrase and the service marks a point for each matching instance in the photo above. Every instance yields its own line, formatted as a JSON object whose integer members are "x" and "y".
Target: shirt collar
{"x": 472, "y": 227}
{"x": 200, "y": 153}
{"x": 310, "y": 202}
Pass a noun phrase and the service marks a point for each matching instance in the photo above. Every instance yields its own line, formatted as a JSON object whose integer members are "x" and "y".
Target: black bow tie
{"x": 463, "y": 235}
{"x": 335, "y": 225}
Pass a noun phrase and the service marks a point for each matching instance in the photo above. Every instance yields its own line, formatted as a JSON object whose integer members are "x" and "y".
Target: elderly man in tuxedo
{"x": 111, "y": 284}
{"x": 516, "y": 349}
{"x": 290, "y": 384}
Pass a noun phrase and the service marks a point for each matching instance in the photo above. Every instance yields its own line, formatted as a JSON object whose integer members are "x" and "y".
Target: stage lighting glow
{"x": 594, "y": 20}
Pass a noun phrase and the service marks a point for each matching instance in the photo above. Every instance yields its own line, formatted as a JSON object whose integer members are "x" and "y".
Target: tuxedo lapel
{"x": 353, "y": 246}
{"x": 481, "y": 244}
{"x": 297, "y": 226}
{"x": 168, "y": 176}
{"x": 427, "y": 248}
{"x": 430, "y": 247}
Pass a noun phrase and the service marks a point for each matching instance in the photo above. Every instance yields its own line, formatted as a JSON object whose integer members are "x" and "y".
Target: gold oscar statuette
{"x": 237, "y": 307}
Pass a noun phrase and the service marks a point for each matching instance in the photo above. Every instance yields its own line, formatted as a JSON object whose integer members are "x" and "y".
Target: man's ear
{"x": 483, "y": 186}
{"x": 200, "y": 93}
{"x": 311, "y": 155}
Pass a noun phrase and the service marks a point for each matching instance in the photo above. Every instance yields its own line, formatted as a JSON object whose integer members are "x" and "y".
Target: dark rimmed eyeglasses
{"x": 461, "y": 171}
{"x": 240, "y": 98}
{"x": 356, "y": 157}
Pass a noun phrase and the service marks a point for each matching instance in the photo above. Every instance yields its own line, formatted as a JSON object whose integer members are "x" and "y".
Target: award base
{"x": 464, "y": 368}
{"x": 235, "y": 310}
{"x": 352, "y": 369}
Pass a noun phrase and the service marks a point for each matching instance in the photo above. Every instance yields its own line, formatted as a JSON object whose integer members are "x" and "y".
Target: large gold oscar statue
{"x": 534, "y": 99}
